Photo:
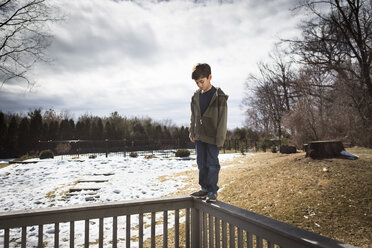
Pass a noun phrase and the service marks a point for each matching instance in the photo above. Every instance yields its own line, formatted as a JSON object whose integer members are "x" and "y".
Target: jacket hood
{"x": 221, "y": 93}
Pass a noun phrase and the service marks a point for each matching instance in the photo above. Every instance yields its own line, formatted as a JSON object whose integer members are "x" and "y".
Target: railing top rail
{"x": 279, "y": 232}
{"x": 91, "y": 211}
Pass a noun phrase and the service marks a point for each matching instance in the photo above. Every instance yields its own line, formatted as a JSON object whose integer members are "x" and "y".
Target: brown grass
{"x": 296, "y": 190}
{"x": 3, "y": 165}
{"x": 24, "y": 157}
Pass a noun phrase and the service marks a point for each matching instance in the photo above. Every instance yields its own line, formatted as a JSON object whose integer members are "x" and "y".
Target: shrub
{"x": 263, "y": 146}
{"x": 133, "y": 154}
{"x": 46, "y": 154}
{"x": 273, "y": 149}
{"x": 182, "y": 153}
{"x": 242, "y": 149}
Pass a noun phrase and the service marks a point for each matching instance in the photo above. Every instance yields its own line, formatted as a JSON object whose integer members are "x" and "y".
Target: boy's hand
{"x": 192, "y": 139}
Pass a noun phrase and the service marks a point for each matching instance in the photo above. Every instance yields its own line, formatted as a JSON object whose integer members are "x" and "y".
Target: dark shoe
{"x": 211, "y": 197}
{"x": 201, "y": 194}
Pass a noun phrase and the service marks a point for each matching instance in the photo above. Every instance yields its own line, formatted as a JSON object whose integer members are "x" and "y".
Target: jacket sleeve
{"x": 222, "y": 121}
{"x": 192, "y": 121}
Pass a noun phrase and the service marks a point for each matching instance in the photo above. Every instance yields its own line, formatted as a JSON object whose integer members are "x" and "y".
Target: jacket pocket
{"x": 208, "y": 127}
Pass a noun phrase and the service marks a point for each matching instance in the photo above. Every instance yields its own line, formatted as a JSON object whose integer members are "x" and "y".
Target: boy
{"x": 207, "y": 130}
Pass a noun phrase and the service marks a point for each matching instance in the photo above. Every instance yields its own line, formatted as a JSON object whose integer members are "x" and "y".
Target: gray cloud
{"x": 25, "y": 101}
{"x": 88, "y": 40}
{"x": 135, "y": 57}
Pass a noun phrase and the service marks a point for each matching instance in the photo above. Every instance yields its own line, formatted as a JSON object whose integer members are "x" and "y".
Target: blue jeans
{"x": 208, "y": 165}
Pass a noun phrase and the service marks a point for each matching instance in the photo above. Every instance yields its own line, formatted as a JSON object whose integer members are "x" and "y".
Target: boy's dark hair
{"x": 201, "y": 71}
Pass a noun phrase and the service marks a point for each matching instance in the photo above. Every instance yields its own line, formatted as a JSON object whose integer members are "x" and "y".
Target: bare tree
{"x": 23, "y": 36}
{"x": 336, "y": 45}
{"x": 309, "y": 117}
{"x": 271, "y": 93}
{"x": 325, "y": 109}
{"x": 338, "y": 38}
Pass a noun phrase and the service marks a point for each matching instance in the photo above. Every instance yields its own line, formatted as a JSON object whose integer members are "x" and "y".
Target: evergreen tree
{"x": 109, "y": 131}
{"x": 86, "y": 128}
{"x": 184, "y": 133}
{"x": 118, "y": 125}
{"x": 45, "y": 135}
{"x": 167, "y": 134}
{"x": 149, "y": 128}
{"x": 158, "y": 132}
{"x": 72, "y": 133}
{"x": 138, "y": 130}
{"x": 65, "y": 130}
{"x": 79, "y": 130}
{"x": 23, "y": 139}
{"x": 3, "y": 131}
{"x": 36, "y": 126}
{"x": 53, "y": 130}
{"x": 11, "y": 138}
{"x": 99, "y": 129}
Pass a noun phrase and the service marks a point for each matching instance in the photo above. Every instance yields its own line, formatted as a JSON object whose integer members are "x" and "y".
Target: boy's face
{"x": 204, "y": 83}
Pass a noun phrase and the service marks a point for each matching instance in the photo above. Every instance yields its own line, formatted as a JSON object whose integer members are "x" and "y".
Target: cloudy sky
{"x": 136, "y": 57}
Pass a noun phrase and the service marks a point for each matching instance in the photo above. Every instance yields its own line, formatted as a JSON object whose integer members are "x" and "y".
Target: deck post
{"x": 195, "y": 228}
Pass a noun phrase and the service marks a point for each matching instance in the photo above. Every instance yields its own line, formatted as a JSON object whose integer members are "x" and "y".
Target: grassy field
{"x": 336, "y": 203}
{"x": 291, "y": 188}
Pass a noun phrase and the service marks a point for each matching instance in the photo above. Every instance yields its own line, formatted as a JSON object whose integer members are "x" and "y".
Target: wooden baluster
{"x": 127, "y": 237}
{"x": 205, "y": 231}
{"x": 72, "y": 234}
{"x": 187, "y": 234}
{"x": 249, "y": 240}
{"x": 153, "y": 216}
{"x": 211, "y": 232}
{"x": 140, "y": 231}
{"x": 259, "y": 242}
{"x": 224, "y": 235}
{"x": 232, "y": 236}
{"x": 101, "y": 232}
{"x": 115, "y": 232}
{"x": 270, "y": 244}
{"x": 56, "y": 235}
{"x": 6, "y": 238}
{"x": 177, "y": 228}
{"x": 24, "y": 234}
{"x": 165, "y": 229}
{"x": 86, "y": 239}
{"x": 196, "y": 228}
{"x": 201, "y": 229}
{"x": 240, "y": 238}
{"x": 40, "y": 236}
{"x": 217, "y": 228}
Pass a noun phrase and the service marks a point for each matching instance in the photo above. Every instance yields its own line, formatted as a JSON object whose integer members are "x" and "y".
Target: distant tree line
{"x": 20, "y": 134}
{"x": 318, "y": 86}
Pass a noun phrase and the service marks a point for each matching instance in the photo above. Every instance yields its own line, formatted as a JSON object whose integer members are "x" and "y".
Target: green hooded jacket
{"x": 212, "y": 126}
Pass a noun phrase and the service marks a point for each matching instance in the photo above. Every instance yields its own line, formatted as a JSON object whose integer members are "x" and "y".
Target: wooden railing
{"x": 205, "y": 225}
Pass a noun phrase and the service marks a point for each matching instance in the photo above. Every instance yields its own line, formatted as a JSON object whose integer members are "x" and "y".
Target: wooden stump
{"x": 324, "y": 149}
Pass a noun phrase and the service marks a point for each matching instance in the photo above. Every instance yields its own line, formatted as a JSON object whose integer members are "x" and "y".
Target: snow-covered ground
{"x": 47, "y": 183}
